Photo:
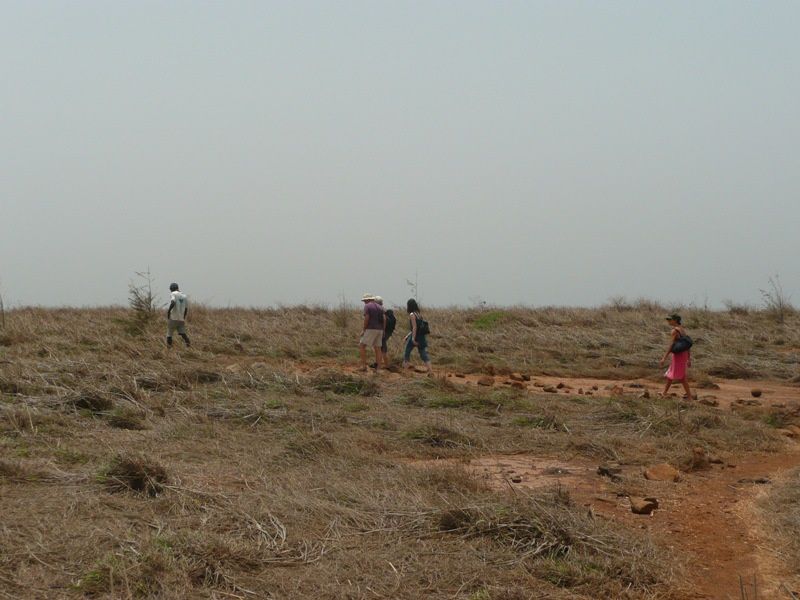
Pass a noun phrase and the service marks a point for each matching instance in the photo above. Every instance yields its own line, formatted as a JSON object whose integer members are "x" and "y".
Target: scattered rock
{"x": 645, "y": 394}
{"x": 580, "y": 391}
{"x": 590, "y": 393}
{"x": 635, "y": 385}
{"x": 662, "y": 472}
{"x": 460, "y": 375}
{"x": 758, "y": 480}
{"x": 486, "y": 381}
{"x": 526, "y": 377}
{"x": 756, "y": 393}
{"x": 793, "y": 431}
{"x": 550, "y": 389}
{"x": 748, "y": 402}
{"x": 516, "y": 377}
{"x": 595, "y": 388}
{"x": 517, "y": 385}
{"x": 611, "y": 470}
{"x": 516, "y": 479}
{"x": 709, "y": 401}
{"x": 420, "y": 370}
{"x": 617, "y": 390}
{"x": 561, "y": 385}
{"x": 643, "y": 506}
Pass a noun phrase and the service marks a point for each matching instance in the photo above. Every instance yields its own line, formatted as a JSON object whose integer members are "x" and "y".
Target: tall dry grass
{"x": 253, "y": 466}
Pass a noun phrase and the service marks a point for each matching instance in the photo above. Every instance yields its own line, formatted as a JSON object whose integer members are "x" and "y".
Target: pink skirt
{"x": 677, "y": 366}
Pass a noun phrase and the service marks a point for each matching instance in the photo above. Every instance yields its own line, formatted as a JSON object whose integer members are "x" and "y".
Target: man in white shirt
{"x": 176, "y": 314}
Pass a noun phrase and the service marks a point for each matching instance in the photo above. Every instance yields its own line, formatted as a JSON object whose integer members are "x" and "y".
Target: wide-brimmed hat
{"x": 378, "y": 299}
{"x": 367, "y": 298}
{"x": 673, "y": 317}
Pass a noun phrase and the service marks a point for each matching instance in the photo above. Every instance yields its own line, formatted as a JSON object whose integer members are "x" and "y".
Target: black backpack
{"x": 422, "y": 326}
{"x": 391, "y": 321}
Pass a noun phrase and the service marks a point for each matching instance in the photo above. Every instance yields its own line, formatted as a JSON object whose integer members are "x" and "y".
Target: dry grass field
{"x": 259, "y": 464}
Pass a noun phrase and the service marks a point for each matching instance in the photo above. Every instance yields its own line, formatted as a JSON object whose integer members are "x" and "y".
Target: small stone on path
{"x": 643, "y": 506}
{"x": 486, "y": 381}
{"x": 662, "y": 472}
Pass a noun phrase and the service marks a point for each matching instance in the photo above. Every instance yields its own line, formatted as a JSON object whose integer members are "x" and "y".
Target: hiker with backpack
{"x": 372, "y": 332}
{"x": 680, "y": 354}
{"x": 391, "y": 322}
{"x": 418, "y": 336}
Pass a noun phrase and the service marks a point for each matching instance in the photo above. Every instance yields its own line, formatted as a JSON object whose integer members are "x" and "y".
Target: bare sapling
{"x": 142, "y": 302}
{"x": 776, "y": 301}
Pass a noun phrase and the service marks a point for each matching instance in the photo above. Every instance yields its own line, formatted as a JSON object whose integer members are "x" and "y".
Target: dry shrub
{"x": 561, "y": 544}
{"x": 341, "y": 383}
{"x": 437, "y": 436}
{"x": 126, "y": 418}
{"x": 136, "y": 474}
{"x": 92, "y": 401}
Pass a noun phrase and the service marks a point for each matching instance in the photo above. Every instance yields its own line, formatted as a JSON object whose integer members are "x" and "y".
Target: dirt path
{"x": 709, "y": 517}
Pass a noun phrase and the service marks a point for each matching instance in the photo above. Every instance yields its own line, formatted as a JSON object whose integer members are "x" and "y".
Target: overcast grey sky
{"x": 513, "y": 152}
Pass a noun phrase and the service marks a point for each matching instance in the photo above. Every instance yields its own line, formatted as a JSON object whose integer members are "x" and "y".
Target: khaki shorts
{"x": 372, "y": 337}
{"x": 172, "y": 325}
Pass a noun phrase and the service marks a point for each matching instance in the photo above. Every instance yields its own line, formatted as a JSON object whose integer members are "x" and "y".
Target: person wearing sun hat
{"x": 680, "y": 355}
{"x": 372, "y": 331}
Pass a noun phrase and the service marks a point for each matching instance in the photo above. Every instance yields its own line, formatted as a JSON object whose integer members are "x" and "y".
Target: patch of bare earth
{"x": 708, "y": 517}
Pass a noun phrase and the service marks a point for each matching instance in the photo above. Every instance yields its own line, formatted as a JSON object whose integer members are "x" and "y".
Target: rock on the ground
{"x": 643, "y": 506}
{"x": 709, "y": 401}
{"x": 756, "y": 393}
{"x": 550, "y": 389}
{"x": 516, "y": 377}
{"x": 612, "y": 470}
{"x": 662, "y": 472}
{"x": 486, "y": 381}
{"x": 517, "y": 385}
{"x": 561, "y": 385}
{"x": 460, "y": 375}
{"x": 617, "y": 390}
{"x": 645, "y": 394}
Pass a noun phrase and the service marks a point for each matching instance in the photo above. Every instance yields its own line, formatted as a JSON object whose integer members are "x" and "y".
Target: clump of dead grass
{"x": 134, "y": 473}
{"x": 341, "y": 383}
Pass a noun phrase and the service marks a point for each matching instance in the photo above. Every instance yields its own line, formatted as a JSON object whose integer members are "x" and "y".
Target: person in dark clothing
{"x": 416, "y": 338}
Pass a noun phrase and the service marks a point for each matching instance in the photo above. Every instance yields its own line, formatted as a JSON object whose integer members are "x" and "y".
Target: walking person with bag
{"x": 418, "y": 336}
{"x": 372, "y": 331}
{"x": 680, "y": 354}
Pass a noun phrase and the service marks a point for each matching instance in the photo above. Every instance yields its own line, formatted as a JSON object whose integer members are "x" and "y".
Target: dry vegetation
{"x": 225, "y": 471}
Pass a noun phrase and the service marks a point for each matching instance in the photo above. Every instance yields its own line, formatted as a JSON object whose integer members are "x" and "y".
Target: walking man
{"x": 176, "y": 314}
{"x": 372, "y": 332}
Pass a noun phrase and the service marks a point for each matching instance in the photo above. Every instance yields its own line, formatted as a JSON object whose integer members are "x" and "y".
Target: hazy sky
{"x": 512, "y": 152}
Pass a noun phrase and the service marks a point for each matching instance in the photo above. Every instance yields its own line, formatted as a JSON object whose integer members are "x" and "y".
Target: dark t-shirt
{"x": 375, "y": 314}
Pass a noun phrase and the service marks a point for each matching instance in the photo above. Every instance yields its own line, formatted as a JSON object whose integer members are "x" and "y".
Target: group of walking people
{"x": 378, "y": 327}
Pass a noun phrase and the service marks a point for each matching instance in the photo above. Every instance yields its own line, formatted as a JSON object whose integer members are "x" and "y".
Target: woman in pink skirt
{"x": 679, "y": 361}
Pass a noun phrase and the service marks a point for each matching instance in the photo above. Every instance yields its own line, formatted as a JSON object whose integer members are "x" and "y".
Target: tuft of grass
{"x": 344, "y": 384}
{"x": 134, "y": 474}
{"x": 438, "y": 437}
